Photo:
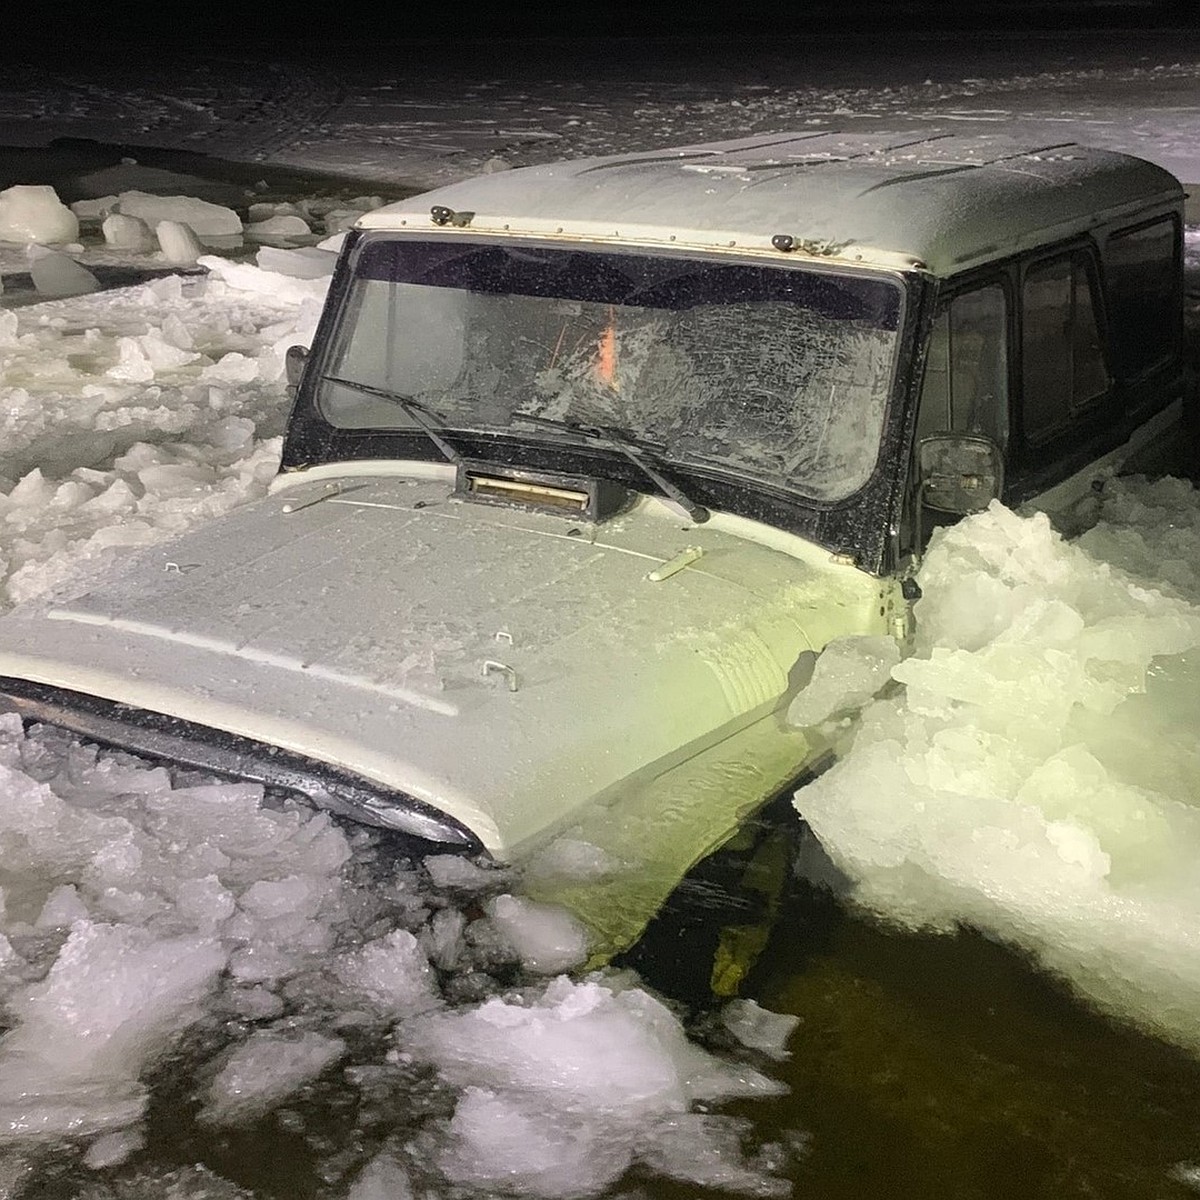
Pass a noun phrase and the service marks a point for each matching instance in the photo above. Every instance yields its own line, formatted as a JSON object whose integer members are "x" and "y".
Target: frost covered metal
{"x": 899, "y": 199}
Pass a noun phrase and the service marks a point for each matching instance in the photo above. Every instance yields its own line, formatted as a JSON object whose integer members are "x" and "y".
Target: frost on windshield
{"x": 774, "y": 375}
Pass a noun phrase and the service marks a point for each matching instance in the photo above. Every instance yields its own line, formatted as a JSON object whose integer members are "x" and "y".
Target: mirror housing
{"x": 293, "y": 364}
{"x": 959, "y": 473}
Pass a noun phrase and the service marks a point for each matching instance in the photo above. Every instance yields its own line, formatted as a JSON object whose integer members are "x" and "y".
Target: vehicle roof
{"x": 938, "y": 202}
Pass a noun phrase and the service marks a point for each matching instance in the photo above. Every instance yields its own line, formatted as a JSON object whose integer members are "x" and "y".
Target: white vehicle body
{"x": 486, "y": 651}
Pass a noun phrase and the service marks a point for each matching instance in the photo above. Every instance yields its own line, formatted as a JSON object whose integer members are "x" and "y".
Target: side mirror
{"x": 959, "y": 473}
{"x": 293, "y": 364}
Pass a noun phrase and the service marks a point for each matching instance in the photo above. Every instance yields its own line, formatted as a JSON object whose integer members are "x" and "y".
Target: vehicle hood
{"x": 501, "y": 665}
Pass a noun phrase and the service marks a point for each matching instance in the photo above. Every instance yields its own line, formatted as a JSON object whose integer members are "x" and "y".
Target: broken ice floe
{"x": 1035, "y": 777}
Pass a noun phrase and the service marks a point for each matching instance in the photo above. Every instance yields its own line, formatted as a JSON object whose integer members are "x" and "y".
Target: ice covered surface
{"x": 452, "y": 113}
{"x": 130, "y": 415}
{"x": 383, "y": 1178}
{"x": 1036, "y": 778}
{"x": 34, "y": 213}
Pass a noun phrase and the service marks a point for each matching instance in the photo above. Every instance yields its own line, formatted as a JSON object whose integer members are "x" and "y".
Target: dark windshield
{"x": 772, "y": 374}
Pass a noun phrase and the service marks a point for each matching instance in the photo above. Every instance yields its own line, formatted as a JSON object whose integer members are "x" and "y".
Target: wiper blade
{"x": 413, "y": 408}
{"x": 606, "y": 435}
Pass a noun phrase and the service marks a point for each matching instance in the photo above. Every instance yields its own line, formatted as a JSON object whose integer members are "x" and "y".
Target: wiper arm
{"x": 413, "y": 408}
{"x": 616, "y": 440}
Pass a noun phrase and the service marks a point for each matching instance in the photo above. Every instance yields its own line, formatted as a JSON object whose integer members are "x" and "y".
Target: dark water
{"x": 932, "y": 1065}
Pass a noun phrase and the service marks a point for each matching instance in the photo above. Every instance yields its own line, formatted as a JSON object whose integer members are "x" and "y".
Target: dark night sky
{"x": 208, "y": 25}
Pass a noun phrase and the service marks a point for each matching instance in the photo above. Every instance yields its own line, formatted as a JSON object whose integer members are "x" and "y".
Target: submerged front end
{"x": 472, "y": 674}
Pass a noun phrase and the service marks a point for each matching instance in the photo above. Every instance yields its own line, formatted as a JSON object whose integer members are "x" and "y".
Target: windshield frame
{"x": 312, "y": 440}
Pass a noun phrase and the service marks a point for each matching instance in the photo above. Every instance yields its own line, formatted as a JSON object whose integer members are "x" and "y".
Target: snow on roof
{"x": 901, "y": 199}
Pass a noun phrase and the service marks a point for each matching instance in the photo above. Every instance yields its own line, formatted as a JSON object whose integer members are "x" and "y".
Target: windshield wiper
{"x": 413, "y": 408}
{"x": 614, "y": 439}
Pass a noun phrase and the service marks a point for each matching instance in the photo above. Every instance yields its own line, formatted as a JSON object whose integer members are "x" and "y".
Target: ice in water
{"x": 273, "y": 957}
{"x": 564, "y": 1089}
{"x": 124, "y": 232}
{"x": 57, "y": 274}
{"x": 547, "y": 939}
{"x": 1035, "y": 777}
{"x": 177, "y": 242}
{"x": 210, "y": 222}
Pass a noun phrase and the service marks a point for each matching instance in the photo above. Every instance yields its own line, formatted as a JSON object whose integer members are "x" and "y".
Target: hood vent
{"x": 574, "y": 496}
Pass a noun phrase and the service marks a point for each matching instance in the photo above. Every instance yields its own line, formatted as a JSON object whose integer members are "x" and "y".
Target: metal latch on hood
{"x": 674, "y": 565}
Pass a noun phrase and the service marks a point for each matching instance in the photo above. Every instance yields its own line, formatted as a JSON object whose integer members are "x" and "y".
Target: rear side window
{"x": 1063, "y": 357}
{"x": 1142, "y": 270}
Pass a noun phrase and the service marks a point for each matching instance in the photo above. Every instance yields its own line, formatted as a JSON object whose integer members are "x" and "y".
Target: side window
{"x": 966, "y": 371}
{"x": 1064, "y": 368}
{"x": 1142, "y": 267}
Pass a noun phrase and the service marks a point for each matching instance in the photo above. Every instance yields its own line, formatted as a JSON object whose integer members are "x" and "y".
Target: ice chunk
{"x": 848, "y": 672}
{"x": 383, "y": 1178}
{"x": 333, "y": 243}
{"x": 63, "y": 907}
{"x": 564, "y": 1091}
{"x": 69, "y": 1066}
{"x": 163, "y": 355}
{"x": 444, "y": 939}
{"x": 249, "y": 278}
{"x": 281, "y": 225}
{"x": 759, "y": 1028}
{"x": 392, "y": 974}
{"x": 133, "y": 364}
{"x": 124, "y": 232}
{"x": 705, "y": 1149}
{"x": 206, "y": 220}
{"x": 34, "y": 213}
{"x": 453, "y": 870}
{"x": 546, "y": 938}
{"x": 56, "y": 274}
{"x": 307, "y": 262}
{"x": 570, "y": 858}
{"x": 93, "y": 210}
{"x": 232, "y": 368}
{"x": 504, "y": 1140}
{"x": 340, "y": 219}
{"x": 265, "y": 1070}
{"x": 178, "y": 243}
{"x": 110, "y": 1149}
